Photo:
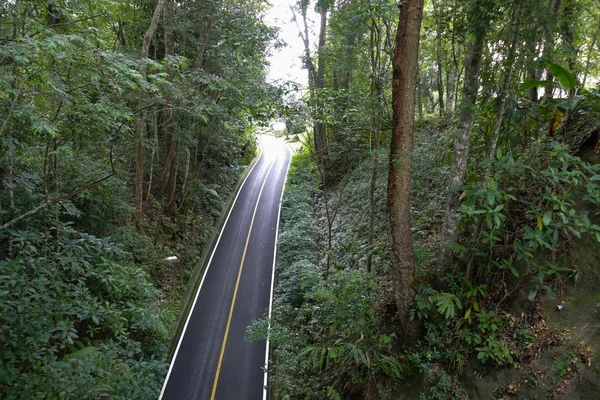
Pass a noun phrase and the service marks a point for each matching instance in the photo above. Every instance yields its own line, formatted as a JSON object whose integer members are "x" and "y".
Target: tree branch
{"x": 51, "y": 202}
{"x": 63, "y": 198}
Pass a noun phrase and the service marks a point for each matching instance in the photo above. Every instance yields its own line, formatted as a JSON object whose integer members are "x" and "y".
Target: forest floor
{"x": 563, "y": 365}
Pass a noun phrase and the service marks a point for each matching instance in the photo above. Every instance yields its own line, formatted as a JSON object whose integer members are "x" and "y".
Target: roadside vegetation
{"x": 124, "y": 126}
{"x": 441, "y": 221}
{"x": 486, "y": 285}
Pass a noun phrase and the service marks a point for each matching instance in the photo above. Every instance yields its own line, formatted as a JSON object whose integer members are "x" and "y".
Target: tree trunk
{"x": 141, "y": 123}
{"x": 420, "y": 96}
{"x": 154, "y": 150}
{"x": 502, "y": 93}
{"x": 589, "y": 57}
{"x": 376, "y": 97}
{"x": 438, "y": 57}
{"x": 169, "y": 175}
{"x": 402, "y": 260}
{"x": 186, "y": 172}
{"x": 461, "y": 150}
{"x": 316, "y": 76}
{"x": 549, "y": 28}
{"x": 569, "y": 41}
{"x": 203, "y": 43}
{"x": 319, "y": 131}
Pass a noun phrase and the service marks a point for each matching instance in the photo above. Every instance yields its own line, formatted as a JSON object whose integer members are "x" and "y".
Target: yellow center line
{"x": 237, "y": 284}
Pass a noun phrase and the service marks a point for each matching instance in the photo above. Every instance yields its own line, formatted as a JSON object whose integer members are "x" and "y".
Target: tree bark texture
{"x": 404, "y": 85}
{"x": 461, "y": 151}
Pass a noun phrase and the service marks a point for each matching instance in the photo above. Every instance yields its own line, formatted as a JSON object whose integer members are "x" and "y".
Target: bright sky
{"x": 286, "y": 63}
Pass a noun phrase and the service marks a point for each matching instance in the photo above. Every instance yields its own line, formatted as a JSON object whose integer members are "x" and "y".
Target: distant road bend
{"x": 211, "y": 360}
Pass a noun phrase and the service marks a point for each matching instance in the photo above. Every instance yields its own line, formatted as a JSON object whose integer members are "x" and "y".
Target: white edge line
{"x": 162, "y": 392}
{"x": 262, "y": 187}
{"x": 266, "y": 375}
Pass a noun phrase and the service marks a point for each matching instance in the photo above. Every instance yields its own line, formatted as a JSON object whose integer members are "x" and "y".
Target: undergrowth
{"x": 335, "y": 336}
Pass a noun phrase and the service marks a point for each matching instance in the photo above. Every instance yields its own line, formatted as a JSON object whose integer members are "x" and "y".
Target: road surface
{"x": 211, "y": 360}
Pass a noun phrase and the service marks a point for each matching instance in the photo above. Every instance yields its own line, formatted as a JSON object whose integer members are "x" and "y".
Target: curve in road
{"x": 211, "y": 360}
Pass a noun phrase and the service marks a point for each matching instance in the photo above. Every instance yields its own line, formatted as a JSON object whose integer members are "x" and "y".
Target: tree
{"x": 479, "y": 21}
{"x": 405, "y": 69}
{"x": 81, "y": 83}
{"x": 141, "y": 122}
{"x": 316, "y": 74}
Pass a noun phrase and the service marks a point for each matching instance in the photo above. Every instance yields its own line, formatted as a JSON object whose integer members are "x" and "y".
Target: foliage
{"x": 520, "y": 210}
{"x": 532, "y": 207}
{"x": 88, "y": 305}
{"x": 321, "y": 330}
{"x": 72, "y": 299}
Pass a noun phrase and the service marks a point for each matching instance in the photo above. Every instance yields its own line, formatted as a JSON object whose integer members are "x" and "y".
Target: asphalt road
{"x": 211, "y": 360}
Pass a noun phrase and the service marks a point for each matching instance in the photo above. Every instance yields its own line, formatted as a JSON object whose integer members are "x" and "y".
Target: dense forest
{"x": 440, "y": 226}
{"x": 440, "y": 222}
{"x": 124, "y": 127}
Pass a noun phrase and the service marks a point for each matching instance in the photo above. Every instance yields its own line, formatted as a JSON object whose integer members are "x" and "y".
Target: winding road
{"x": 212, "y": 360}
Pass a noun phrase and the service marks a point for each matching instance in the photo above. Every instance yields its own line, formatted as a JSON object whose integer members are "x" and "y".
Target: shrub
{"x": 70, "y": 299}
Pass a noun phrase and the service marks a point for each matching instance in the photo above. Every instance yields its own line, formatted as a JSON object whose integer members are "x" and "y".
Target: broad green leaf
{"x": 566, "y": 78}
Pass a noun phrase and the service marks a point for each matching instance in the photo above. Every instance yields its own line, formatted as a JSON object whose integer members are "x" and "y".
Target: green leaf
{"x": 533, "y": 84}
{"x": 497, "y": 221}
{"x": 566, "y": 79}
{"x": 468, "y": 314}
{"x": 547, "y": 217}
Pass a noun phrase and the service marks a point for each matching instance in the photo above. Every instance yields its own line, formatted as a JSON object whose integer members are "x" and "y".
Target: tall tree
{"x": 316, "y": 74}
{"x": 550, "y": 26}
{"x": 503, "y": 88}
{"x": 376, "y": 53}
{"x": 479, "y": 19}
{"x": 438, "y": 55}
{"x": 319, "y": 82}
{"x": 405, "y": 71}
{"x": 141, "y": 122}
{"x": 169, "y": 176}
